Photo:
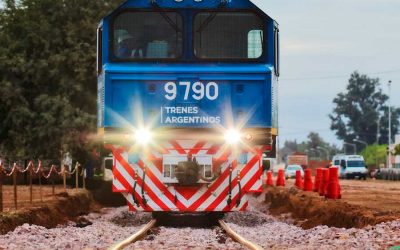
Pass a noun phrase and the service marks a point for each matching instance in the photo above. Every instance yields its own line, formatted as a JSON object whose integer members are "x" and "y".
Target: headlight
{"x": 143, "y": 136}
{"x": 232, "y": 136}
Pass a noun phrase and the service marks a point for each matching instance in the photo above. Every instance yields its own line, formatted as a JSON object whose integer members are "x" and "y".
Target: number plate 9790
{"x": 197, "y": 90}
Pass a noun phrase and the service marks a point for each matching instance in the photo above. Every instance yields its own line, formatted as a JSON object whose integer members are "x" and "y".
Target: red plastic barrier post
{"x": 299, "y": 180}
{"x": 324, "y": 182}
{"x": 333, "y": 190}
{"x": 269, "y": 179}
{"x": 318, "y": 179}
{"x": 280, "y": 181}
{"x": 308, "y": 183}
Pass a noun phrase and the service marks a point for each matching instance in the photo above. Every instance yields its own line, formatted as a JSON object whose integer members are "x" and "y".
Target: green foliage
{"x": 374, "y": 155}
{"x": 397, "y": 150}
{"x": 313, "y": 146}
{"x": 47, "y": 75}
{"x": 358, "y": 110}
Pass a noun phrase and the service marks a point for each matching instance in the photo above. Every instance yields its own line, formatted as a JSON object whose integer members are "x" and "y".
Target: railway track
{"x": 135, "y": 237}
{"x": 236, "y": 237}
{"x": 143, "y": 232}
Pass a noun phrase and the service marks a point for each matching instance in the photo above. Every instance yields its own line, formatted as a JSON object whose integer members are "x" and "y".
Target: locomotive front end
{"x": 187, "y": 102}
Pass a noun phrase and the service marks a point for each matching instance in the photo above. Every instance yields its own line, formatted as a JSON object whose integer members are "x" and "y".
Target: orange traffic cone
{"x": 333, "y": 190}
{"x": 299, "y": 180}
{"x": 318, "y": 179}
{"x": 269, "y": 179}
{"x": 280, "y": 181}
{"x": 324, "y": 182}
{"x": 308, "y": 183}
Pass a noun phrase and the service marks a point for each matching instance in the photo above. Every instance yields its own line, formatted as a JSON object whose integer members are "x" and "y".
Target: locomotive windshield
{"x": 147, "y": 35}
{"x": 228, "y": 35}
{"x": 155, "y": 35}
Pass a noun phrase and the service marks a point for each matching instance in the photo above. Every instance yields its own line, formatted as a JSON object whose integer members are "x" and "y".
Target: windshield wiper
{"x": 210, "y": 17}
{"x": 167, "y": 18}
{"x": 206, "y": 22}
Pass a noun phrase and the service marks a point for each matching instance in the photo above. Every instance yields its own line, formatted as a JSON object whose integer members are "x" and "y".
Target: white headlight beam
{"x": 143, "y": 136}
{"x": 233, "y": 136}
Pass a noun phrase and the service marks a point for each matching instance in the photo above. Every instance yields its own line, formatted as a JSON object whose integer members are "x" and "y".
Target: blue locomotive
{"x": 187, "y": 101}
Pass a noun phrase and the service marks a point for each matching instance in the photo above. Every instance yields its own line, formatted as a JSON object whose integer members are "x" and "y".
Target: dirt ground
{"x": 363, "y": 203}
{"x": 379, "y": 195}
{"x": 23, "y": 196}
{"x": 52, "y": 212}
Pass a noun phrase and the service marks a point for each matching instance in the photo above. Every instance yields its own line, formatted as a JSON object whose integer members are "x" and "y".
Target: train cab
{"x": 187, "y": 101}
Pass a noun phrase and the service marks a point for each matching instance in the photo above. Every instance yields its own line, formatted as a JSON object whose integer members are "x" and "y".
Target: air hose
{"x": 240, "y": 190}
{"x": 133, "y": 191}
{"x": 230, "y": 186}
{"x": 144, "y": 179}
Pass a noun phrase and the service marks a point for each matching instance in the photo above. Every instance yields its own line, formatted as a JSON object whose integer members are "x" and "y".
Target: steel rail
{"x": 236, "y": 237}
{"x": 137, "y": 236}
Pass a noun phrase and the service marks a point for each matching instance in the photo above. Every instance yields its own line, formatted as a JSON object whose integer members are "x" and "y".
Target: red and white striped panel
{"x": 151, "y": 194}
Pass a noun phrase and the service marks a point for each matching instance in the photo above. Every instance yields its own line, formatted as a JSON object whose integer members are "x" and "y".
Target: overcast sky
{"x": 322, "y": 42}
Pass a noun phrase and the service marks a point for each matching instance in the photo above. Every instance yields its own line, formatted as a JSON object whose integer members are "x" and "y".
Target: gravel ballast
{"x": 274, "y": 234}
{"x": 115, "y": 224}
{"x": 107, "y": 228}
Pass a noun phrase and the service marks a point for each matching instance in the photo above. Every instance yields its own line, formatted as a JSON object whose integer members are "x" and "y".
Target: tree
{"x": 358, "y": 110}
{"x": 374, "y": 155}
{"x": 47, "y": 76}
{"x": 314, "y": 144}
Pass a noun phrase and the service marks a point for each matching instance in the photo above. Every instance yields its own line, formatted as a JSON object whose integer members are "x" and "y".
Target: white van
{"x": 336, "y": 160}
{"x": 350, "y": 166}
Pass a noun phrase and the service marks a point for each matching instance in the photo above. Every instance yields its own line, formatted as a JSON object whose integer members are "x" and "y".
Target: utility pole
{"x": 378, "y": 129}
{"x": 390, "y": 125}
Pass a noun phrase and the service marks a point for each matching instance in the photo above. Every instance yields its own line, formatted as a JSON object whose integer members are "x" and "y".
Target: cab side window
{"x": 255, "y": 43}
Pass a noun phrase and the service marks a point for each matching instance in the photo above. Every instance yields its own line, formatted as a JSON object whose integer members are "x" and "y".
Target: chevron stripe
{"x": 157, "y": 186}
{"x": 211, "y": 197}
{"x": 258, "y": 184}
{"x": 125, "y": 175}
{"x": 126, "y": 178}
{"x": 118, "y": 187}
{"x": 224, "y": 193}
{"x": 235, "y": 194}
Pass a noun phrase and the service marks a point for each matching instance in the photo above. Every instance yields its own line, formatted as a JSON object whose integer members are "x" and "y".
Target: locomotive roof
{"x": 192, "y": 4}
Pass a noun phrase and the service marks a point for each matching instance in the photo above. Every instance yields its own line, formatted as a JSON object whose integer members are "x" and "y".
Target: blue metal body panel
{"x": 188, "y": 4}
{"x": 132, "y": 93}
